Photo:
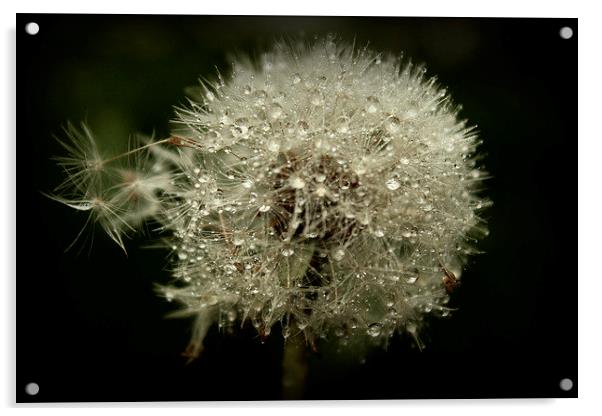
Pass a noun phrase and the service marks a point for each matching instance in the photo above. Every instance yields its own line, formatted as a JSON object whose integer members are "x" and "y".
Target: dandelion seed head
{"x": 329, "y": 188}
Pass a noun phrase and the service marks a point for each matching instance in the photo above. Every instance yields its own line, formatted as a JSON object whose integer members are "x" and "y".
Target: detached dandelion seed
{"x": 326, "y": 190}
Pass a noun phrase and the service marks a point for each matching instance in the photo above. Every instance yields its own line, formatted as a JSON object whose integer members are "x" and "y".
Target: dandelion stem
{"x": 294, "y": 368}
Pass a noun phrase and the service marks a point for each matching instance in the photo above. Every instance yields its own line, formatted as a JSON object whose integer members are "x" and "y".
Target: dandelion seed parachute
{"x": 119, "y": 197}
{"x": 320, "y": 190}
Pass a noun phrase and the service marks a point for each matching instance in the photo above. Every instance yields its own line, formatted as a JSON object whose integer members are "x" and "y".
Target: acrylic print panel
{"x": 314, "y": 220}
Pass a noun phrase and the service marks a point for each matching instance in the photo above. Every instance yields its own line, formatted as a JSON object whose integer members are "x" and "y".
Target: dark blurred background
{"x": 90, "y": 327}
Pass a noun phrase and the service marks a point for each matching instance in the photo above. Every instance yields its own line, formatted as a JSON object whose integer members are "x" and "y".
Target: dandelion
{"x": 326, "y": 191}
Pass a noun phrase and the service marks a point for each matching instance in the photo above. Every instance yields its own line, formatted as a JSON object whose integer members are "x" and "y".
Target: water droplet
{"x": 242, "y": 122}
{"x": 374, "y": 330}
{"x": 339, "y": 254}
{"x": 231, "y": 315}
{"x": 296, "y": 78}
{"x": 238, "y": 240}
{"x": 182, "y": 256}
{"x": 242, "y": 126}
{"x": 404, "y": 161}
{"x": 411, "y": 280}
{"x": 260, "y": 96}
{"x": 379, "y": 233}
{"x": 247, "y": 184}
{"x": 321, "y": 190}
{"x": 247, "y": 90}
{"x": 392, "y": 124}
{"x": 373, "y": 104}
{"x": 410, "y": 114}
{"x": 316, "y": 98}
{"x": 287, "y": 252}
{"x": 273, "y": 146}
{"x": 343, "y": 124}
{"x": 225, "y": 120}
{"x": 275, "y": 111}
{"x": 360, "y": 168}
{"x": 392, "y": 184}
{"x": 303, "y": 126}
{"x": 320, "y": 178}
{"x": 264, "y": 208}
{"x": 296, "y": 182}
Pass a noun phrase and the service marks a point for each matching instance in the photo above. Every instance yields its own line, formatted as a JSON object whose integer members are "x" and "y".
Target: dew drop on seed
{"x": 247, "y": 184}
{"x": 339, "y": 254}
{"x": 343, "y": 124}
{"x": 260, "y": 96}
{"x": 320, "y": 178}
{"x": 392, "y": 184}
{"x": 321, "y": 190}
{"x": 373, "y": 104}
{"x": 273, "y": 146}
{"x": 411, "y": 280}
{"x": 287, "y": 252}
{"x": 410, "y": 114}
{"x": 247, "y": 90}
{"x": 264, "y": 208}
{"x": 231, "y": 315}
{"x": 242, "y": 122}
{"x": 275, "y": 111}
{"x": 296, "y": 78}
{"x": 316, "y": 99}
{"x": 296, "y": 182}
{"x": 379, "y": 233}
{"x": 374, "y": 330}
{"x": 303, "y": 127}
{"x": 392, "y": 124}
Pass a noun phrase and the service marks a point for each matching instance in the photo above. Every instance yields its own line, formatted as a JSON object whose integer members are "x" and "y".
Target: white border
{"x": 590, "y": 231}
